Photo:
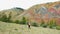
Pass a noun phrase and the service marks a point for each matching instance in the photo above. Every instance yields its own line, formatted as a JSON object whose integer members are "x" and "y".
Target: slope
{"x": 14, "y": 12}
{"x": 11, "y": 28}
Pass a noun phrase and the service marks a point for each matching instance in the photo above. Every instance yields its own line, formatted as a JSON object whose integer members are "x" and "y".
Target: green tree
{"x": 4, "y": 18}
{"x": 17, "y": 21}
{"x": 43, "y": 24}
{"x": 23, "y": 21}
{"x": 52, "y": 24}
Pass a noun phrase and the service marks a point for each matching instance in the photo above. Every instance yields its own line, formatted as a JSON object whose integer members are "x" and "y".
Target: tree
{"x": 4, "y": 18}
{"x": 43, "y": 24}
{"x": 17, "y": 21}
{"x": 52, "y": 24}
{"x": 23, "y": 21}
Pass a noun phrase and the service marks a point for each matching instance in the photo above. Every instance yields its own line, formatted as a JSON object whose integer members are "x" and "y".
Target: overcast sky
{"x": 25, "y": 4}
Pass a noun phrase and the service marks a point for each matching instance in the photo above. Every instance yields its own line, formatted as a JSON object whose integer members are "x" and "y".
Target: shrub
{"x": 35, "y": 24}
{"x": 17, "y": 21}
{"x": 4, "y": 18}
{"x": 23, "y": 21}
{"x": 58, "y": 27}
{"x": 43, "y": 24}
{"x": 52, "y": 24}
{"x": 16, "y": 29}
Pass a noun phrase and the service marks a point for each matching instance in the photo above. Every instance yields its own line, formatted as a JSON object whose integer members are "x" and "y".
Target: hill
{"x": 46, "y": 11}
{"x": 14, "y": 12}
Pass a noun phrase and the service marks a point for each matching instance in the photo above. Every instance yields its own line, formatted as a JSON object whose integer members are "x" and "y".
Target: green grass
{"x": 12, "y": 28}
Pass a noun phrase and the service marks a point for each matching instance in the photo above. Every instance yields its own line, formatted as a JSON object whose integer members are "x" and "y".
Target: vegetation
{"x": 4, "y": 18}
{"x": 9, "y": 18}
{"x": 58, "y": 27}
{"x": 17, "y": 22}
{"x": 12, "y": 28}
{"x": 35, "y": 24}
{"x": 23, "y": 21}
{"x": 52, "y": 24}
{"x": 43, "y": 24}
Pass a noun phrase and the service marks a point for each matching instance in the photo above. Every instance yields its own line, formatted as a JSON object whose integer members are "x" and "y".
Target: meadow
{"x": 12, "y": 28}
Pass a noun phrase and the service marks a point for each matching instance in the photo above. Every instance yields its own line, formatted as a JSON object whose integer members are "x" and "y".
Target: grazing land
{"x": 12, "y": 28}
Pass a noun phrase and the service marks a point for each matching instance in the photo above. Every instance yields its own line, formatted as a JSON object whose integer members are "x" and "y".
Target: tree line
{"x": 51, "y": 24}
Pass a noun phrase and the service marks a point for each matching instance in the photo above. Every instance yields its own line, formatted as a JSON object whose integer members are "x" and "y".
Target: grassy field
{"x": 11, "y": 28}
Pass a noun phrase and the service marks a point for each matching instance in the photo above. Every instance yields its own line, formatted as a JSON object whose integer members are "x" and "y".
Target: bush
{"x": 52, "y": 24}
{"x": 58, "y": 27}
{"x": 23, "y": 21}
{"x": 35, "y": 24}
{"x": 4, "y": 18}
{"x": 43, "y": 24}
{"x": 17, "y": 21}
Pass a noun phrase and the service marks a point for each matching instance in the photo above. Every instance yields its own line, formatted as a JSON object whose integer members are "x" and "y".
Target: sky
{"x": 25, "y": 4}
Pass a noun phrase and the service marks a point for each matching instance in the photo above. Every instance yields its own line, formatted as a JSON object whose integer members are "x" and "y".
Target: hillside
{"x": 14, "y": 12}
{"x": 46, "y": 11}
{"x": 11, "y": 28}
